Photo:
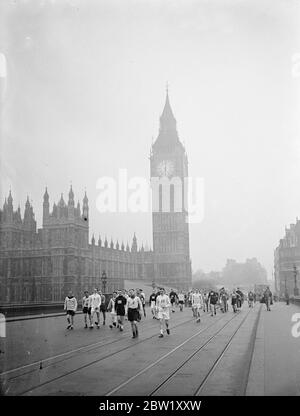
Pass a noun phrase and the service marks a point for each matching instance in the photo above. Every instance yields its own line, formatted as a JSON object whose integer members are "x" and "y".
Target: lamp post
{"x": 295, "y": 271}
{"x": 104, "y": 280}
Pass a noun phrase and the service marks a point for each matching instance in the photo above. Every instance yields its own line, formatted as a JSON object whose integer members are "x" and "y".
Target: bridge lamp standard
{"x": 295, "y": 272}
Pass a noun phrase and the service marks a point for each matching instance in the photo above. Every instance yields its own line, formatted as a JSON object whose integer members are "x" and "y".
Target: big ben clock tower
{"x": 169, "y": 168}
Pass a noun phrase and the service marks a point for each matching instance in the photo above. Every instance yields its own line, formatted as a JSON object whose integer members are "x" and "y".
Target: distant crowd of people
{"x": 131, "y": 305}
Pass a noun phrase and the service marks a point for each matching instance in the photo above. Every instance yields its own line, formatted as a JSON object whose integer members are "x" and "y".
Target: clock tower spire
{"x": 169, "y": 168}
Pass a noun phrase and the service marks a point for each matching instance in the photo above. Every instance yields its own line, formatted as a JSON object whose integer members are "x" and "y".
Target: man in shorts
{"x": 173, "y": 297}
{"x": 163, "y": 311}
{"x": 120, "y": 304}
{"x": 95, "y": 302}
{"x": 86, "y": 308}
{"x": 152, "y": 301}
{"x": 70, "y": 306}
{"x": 181, "y": 300}
{"x": 111, "y": 308}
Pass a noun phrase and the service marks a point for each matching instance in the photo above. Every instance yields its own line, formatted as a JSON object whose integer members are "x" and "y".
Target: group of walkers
{"x": 123, "y": 305}
{"x": 130, "y": 305}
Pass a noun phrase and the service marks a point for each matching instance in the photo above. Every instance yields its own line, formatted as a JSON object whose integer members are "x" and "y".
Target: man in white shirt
{"x": 181, "y": 300}
{"x": 70, "y": 306}
{"x": 197, "y": 304}
{"x": 95, "y": 302}
{"x": 163, "y": 311}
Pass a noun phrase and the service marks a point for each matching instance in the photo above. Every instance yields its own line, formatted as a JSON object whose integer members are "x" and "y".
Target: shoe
{"x": 153, "y": 317}
{"x": 160, "y": 336}
{"x": 96, "y": 323}
{"x": 85, "y": 326}
{"x": 111, "y": 327}
{"x": 69, "y": 326}
{"x": 114, "y": 324}
{"x": 133, "y": 336}
{"x": 91, "y": 327}
{"x": 104, "y": 323}
{"x": 72, "y": 327}
{"x": 168, "y": 331}
{"x": 121, "y": 329}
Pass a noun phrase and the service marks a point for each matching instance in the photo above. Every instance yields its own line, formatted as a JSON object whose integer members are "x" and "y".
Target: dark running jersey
{"x": 120, "y": 303}
{"x": 152, "y": 298}
{"x": 213, "y": 297}
{"x": 172, "y": 296}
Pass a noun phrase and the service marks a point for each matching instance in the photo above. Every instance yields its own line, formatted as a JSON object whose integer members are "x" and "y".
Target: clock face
{"x": 165, "y": 168}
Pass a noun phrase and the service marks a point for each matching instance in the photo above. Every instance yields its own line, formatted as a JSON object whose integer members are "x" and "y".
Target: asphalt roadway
{"x": 253, "y": 352}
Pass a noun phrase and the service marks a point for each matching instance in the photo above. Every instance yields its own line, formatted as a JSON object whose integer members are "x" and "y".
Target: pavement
{"x": 275, "y": 368}
{"x": 249, "y": 353}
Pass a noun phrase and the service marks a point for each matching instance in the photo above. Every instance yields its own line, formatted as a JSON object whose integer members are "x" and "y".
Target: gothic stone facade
{"x": 286, "y": 256}
{"x": 42, "y": 265}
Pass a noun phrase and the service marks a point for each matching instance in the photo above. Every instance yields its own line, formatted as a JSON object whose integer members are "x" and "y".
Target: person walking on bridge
{"x": 86, "y": 308}
{"x": 163, "y": 311}
{"x": 120, "y": 305}
{"x": 213, "y": 298}
{"x": 287, "y": 297}
{"x": 197, "y": 302}
{"x": 250, "y": 299}
{"x": 111, "y": 308}
{"x": 103, "y": 306}
{"x": 223, "y": 300}
{"x": 173, "y": 296}
{"x": 152, "y": 301}
{"x": 135, "y": 307}
{"x": 267, "y": 298}
{"x": 70, "y": 306}
{"x": 240, "y": 298}
{"x": 234, "y": 297}
{"x": 95, "y": 302}
{"x": 181, "y": 300}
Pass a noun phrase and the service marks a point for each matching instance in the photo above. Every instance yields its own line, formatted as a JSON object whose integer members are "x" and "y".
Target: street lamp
{"x": 104, "y": 279}
{"x": 296, "y": 290}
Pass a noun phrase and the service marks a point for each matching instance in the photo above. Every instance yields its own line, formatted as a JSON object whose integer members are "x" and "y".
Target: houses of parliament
{"x": 42, "y": 265}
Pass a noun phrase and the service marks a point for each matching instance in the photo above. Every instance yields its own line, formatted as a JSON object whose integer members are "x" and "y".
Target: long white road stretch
{"x": 252, "y": 352}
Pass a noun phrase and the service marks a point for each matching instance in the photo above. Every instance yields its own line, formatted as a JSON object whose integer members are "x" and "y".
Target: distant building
{"x": 287, "y": 260}
{"x": 244, "y": 275}
{"x": 42, "y": 265}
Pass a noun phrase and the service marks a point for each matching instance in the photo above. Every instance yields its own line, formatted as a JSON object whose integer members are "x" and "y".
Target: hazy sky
{"x": 85, "y": 87}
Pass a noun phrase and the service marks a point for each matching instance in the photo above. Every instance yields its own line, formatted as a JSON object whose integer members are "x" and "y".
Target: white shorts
{"x": 95, "y": 310}
{"x": 113, "y": 316}
{"x": 197, "y": 306}
{"x": 152, "y": 304}
{"x": 163, "y": 314}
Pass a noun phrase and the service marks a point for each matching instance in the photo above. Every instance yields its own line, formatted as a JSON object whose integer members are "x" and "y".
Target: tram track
{"x": 140, "y": 373}
{"x": 168, "y": 379}
{"x": 94, "y": 347}
{"x": 41, "y": 364}
{"x": 188, "y": 359}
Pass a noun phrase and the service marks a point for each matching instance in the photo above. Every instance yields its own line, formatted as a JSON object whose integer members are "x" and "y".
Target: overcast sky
{"x": 85, "y": 86}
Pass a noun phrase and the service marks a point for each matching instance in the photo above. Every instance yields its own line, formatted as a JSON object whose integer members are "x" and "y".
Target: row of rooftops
{"x": 61, "y": 211}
